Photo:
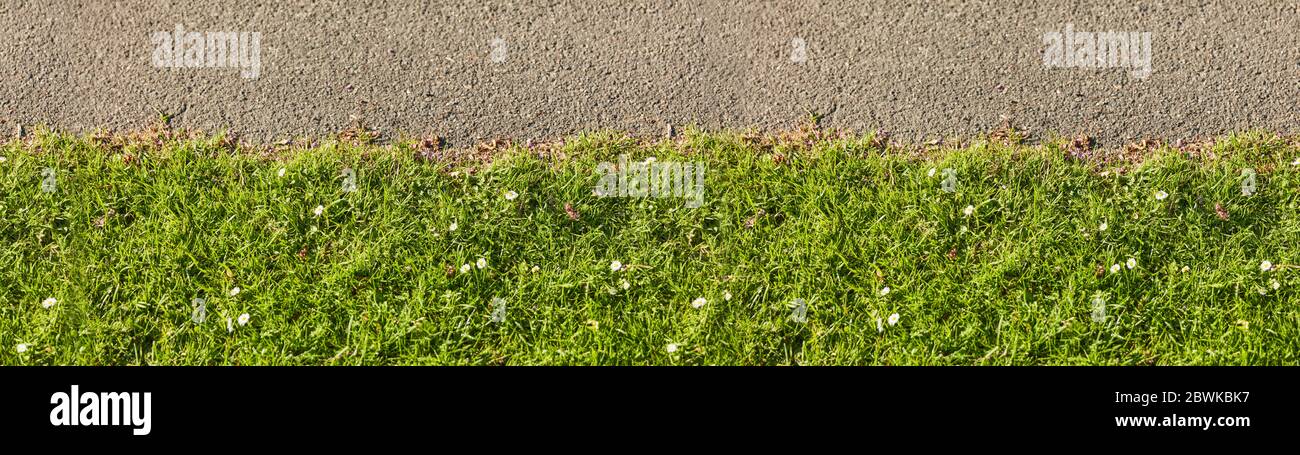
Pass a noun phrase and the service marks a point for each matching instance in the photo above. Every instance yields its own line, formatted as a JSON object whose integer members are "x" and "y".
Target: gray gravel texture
{"x": 921, "y": 70}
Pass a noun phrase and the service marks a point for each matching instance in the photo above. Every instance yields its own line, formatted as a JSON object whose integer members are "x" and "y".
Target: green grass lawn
{"x": 138, "y": 227}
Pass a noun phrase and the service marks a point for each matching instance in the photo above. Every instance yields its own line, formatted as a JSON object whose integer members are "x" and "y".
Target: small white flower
{"x": 1296, "y": 162}
{"x": 453, "y": 227}
{"x": 481, "y": 263}
{"x": 1103, "y": 226}
{"x": 931, "y": 173}
{"x": 1186, "y": 268}
{"x": 1274, "y": 284}
{"x": 243, "y": 319}
{"x": 884, "y": 291}
{"x": 281, "y": 173}
{"x": 672, "y": 347}
{"x": 535, "y": 269}
{"x": 234, "y": 291}
{"x": 1114, "y": 268}
{"x": 318, "y": 210}
{"x": 893, "y": 319}
{"x": 726, "y": 295}
{"x": 615, "y": 266}
{"x": 230, "y": 325}
{"x": 698, "y": 302}
{"x": 465, "y": 268}
{"x": 511, "y": 195}
{"x": 880, "y": 326}
{"x": 1265, "y": 266}
{"x": 1161, "y": 195}
{"x": 22, "y": 347}
{"x": 3, "y": 159}
{"x": 49, "y": 302}
{"x": 625, "y": 285}
{"x": 1131, "y": 263}
{"x": 969, "y": 210}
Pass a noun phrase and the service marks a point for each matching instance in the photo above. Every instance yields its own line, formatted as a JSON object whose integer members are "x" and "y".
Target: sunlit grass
{"x": 134, "y": 232}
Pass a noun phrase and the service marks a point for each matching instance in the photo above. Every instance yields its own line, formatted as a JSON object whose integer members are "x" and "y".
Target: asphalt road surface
{"x": 480, "y": 70}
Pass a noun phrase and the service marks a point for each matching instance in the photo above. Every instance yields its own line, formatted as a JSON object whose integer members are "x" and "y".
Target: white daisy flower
{"x": 49, "y": 302}
{"x": 672, "y": 347}
{"x": 1186, "y": 268}
{"x": 1274, "y": 284}
{"x": 1103, "y": 226}
{"x": 615, "y": 266}
{"x": 969, "y": 210}
{"x": 1296, "y": 162}
{"x": 884, "y": 291}
{"x": 1115, "y": 268}
{"x": 481, "y": 263}
{"x": 1161, "y": 195}
{"x": 3, "y": 159}
{"x": 931, "y": 173}
{"x": 698, "y": 302}
{"x": 535, "y": 269}
{"x": 235, "y": 291}
{"x": 465, "y": 268}
{"x": 281, "y": 173}
{"x": 625, "y": 285}
{"x": 22, "y": 347}
{"x": 318, "y": 210}
{"x": 893, "y": 319}
{"x": 726, "y": 295}
{"x": 511, "y": 195}
{"x": 453, "y": 227}
{"x": 1265, "y": 266}
{"x": 1131, "y": 263}
{"x": 243, "y": 319}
